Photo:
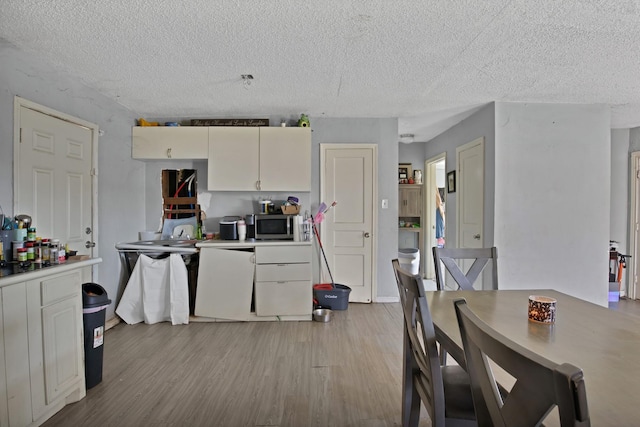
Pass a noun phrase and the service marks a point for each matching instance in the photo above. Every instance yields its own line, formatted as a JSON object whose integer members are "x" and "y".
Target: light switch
{"x": 385, "y": 203}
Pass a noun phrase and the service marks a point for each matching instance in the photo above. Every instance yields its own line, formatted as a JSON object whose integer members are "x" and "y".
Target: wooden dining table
{"x": 604, "y": 343}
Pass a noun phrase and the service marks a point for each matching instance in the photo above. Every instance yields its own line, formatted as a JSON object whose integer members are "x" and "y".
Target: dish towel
{"x": 157, "y": 291}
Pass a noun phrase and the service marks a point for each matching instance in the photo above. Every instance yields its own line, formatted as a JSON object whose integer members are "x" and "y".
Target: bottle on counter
{"x": 31, "y": 252}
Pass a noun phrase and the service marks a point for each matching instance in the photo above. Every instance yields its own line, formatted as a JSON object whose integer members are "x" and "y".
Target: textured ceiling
{"x": 429, "y": 63}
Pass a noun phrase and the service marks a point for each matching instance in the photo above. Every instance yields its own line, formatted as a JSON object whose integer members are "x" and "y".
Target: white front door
{"x": 470, "y": 188}
{"x": 53, "y": 176}
{"x": 348, "y": 176}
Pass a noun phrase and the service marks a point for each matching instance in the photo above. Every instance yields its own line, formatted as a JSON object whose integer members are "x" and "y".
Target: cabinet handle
{"x": 366, "y": 235}
{"x": 476, "y": 236}
{"x": 169, "y": 153}
{"x": 258, "y": 185}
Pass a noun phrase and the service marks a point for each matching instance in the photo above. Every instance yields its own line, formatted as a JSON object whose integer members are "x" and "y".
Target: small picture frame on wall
{"x": 404, "y": 172}
{"x": 451, "y": 182}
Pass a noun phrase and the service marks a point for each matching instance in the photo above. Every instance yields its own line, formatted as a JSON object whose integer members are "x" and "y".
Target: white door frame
{"x": 634, "y": 240}
{"x": 430, "y": 208}
{"x": 18, "y": 103}
{"x": 374, "y": 216}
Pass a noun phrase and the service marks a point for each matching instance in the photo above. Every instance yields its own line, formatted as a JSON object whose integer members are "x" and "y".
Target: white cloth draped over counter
{"x": 157, "y": 291}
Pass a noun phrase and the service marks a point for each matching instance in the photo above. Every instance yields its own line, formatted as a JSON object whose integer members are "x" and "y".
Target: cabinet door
{"x": 16, "y": 349}
{"x": 410, "y": 201}
{"x": 284, "y": 298}
{"x": 62, "y": 333}
{"x": 151, "y": 142}
{"x": 225, "y": 284}
{"x": 285, "y": 159}
{"x": 233, "y": 159}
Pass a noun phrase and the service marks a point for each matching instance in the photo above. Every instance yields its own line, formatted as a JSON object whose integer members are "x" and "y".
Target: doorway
{"x": 434, "y": 184}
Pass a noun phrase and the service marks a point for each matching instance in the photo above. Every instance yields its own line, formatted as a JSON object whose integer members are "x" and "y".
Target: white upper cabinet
{"x": 166, "y": 142}
{"x": 285, "y": 159}
{"x": 233, "y": 158}
{"x": 259, "y": 159}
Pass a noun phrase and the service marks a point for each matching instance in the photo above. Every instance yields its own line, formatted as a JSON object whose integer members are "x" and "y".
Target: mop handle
{"x": 315, "y": 230}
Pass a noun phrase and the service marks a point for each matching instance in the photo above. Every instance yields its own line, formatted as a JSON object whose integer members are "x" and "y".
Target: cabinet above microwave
{"x": 259, "y": 159}
{"x": 239, "y": 158}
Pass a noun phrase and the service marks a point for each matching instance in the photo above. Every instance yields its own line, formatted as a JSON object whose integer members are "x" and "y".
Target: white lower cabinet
{"x": 276, "y": 278}
{"x": 283, "y": 280}
{"x": 43, "y": 358}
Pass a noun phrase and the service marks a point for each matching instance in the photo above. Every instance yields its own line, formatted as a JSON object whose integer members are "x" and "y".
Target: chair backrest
{"x": 450, "y": 257}
{"x": 540, "y": 383}
{"x": 427, "y": 376}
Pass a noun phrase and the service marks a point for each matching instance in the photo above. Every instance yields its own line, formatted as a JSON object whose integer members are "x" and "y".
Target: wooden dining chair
{"x": 451, "y": 258}
{"x": 444, "y": 390}
{"x": 540, "y": 383}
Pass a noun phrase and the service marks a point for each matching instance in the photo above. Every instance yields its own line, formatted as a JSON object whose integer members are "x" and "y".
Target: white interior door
{"x": 348, "y": 176}
{"x": 634, "y": 225}
{"x": 470, "y": 188}
{"x": 53, "y": 175}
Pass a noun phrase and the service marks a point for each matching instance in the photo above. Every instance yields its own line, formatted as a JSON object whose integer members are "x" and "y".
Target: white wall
{"x": 552, "y": 195}
{"x": 120, "y": 179}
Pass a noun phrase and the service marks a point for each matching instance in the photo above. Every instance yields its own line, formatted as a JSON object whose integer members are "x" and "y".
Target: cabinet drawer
{"x": 282, "y": 272}
{"x": 283, "y": 254}
{"x": 283, "y": 299}
{"x": 60, "y": 287}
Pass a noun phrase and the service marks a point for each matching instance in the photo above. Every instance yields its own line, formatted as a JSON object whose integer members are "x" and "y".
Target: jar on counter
{"x": 31, "y": 234}
{"x": 54, "y": 250}
{"x": 22, "y": 254}
{"x": 45, "y": 251}
{"x": 31, "y": 252}
{"x": 38, "y": 252}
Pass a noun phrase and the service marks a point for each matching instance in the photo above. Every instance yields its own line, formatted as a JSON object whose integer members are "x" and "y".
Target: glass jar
{"x": 31, "y": 234}
{"x": 45, "y": 251}
{"x": 31, "y": 252}
{"x": 54, "y": 248}
{"x": 22, "y": 254}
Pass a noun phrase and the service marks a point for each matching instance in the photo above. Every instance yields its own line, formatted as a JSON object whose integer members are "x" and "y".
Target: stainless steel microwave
{"x": 274, "y": 227}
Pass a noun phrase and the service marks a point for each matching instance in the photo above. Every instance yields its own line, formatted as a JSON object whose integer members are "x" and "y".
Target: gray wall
{"x": 480, "y": 124}
{"x": 382, "y": 132}
{"x": 121, "y": 180}
{"x": 619, "y": 223}
{"x": 552, "y": 193}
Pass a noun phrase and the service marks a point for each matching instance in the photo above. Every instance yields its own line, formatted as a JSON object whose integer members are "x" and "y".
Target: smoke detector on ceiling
{"x": 406, "y": 138}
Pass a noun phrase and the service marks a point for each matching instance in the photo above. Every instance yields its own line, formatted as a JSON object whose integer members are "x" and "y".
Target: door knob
{"x": 366, "y": 235}
{"x": 88, "y": 244}
{"x": 476, "y": 236}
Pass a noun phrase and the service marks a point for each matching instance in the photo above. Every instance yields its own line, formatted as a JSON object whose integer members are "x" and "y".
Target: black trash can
{"x": 94, "y": 304}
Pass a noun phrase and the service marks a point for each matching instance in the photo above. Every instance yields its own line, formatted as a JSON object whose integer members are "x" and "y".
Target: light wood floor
{"x": 343, "y": 373}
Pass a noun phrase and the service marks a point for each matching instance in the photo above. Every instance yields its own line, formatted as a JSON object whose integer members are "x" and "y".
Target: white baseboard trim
{"x": 387, "y": 299}
{"x": 110, "y": 323}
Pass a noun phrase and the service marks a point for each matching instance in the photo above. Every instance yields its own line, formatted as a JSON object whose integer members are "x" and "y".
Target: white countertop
{"x": 45, "y": 271}
{"x": 250, "y": 243}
